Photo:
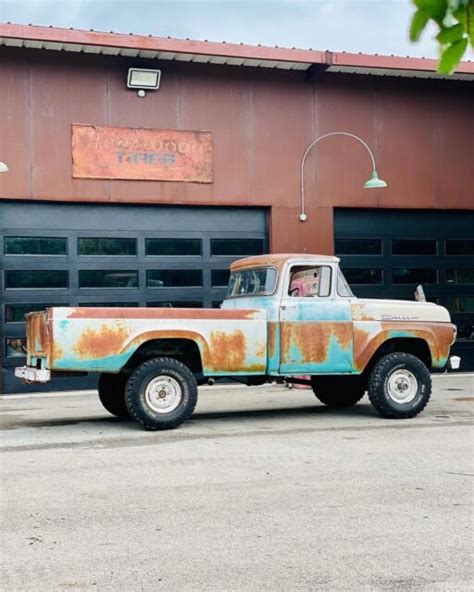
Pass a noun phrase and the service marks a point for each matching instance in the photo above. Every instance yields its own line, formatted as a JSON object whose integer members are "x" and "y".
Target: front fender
{"x": 369, "y": 336}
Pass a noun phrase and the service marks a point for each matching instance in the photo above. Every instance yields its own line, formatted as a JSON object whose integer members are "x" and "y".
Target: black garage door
{"x": 96, "y": 255}
{"x": 387, "y": 253}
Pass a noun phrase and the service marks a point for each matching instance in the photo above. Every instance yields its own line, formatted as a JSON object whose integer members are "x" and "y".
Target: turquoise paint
{"x": 304, "y": 310}
{"x": 338, "y": 360}
{"x": 107, "y": 364}
{"x": 63, "y": 325}
{"x": 116, "y": 363}
{"x": 436, "y": 362}
{"x": 316, "y": 309}
{"x": 268, "y": 303}
{"x": 273, "y": 363}
{"x": 271, "y": 305}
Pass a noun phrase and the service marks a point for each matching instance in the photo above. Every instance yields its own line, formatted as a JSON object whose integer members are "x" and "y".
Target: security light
{"x": 143, "y": 79}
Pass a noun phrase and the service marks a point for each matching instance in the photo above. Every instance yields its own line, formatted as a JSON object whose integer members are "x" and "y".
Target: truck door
{"x": 316, "y": 333}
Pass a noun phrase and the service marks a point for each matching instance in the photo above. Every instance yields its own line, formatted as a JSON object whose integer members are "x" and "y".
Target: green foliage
{"x": 455, "y": 22}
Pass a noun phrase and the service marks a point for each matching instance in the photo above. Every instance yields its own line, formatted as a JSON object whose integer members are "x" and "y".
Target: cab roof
{"x": 279, "y": 260}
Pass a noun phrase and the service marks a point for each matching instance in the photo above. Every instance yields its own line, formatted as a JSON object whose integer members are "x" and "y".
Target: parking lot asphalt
{"x": 263, "y": 489}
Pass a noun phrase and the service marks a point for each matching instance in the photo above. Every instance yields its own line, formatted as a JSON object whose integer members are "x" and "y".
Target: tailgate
{"x": 38, "y": 341}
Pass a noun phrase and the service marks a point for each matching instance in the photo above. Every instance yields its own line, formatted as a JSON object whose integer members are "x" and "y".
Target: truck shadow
{"x": 281, "y": 412}
{"x": 18, "y": 421}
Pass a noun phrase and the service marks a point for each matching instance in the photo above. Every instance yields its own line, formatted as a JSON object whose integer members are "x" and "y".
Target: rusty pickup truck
{"x": 289, "y": 318}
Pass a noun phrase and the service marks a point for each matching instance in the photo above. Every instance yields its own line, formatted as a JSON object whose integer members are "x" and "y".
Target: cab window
{"x": 259, "y": 281}
{"x": 310, "y": 281}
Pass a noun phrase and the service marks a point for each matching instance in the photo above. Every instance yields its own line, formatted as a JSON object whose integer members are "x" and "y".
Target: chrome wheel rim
{"x": 402, "y": 386}
{"x": 163, "y": 394}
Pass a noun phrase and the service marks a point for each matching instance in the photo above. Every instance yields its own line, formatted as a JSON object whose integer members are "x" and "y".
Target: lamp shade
{"x": 3, "y": 167}
{"x": 374, "y": 182}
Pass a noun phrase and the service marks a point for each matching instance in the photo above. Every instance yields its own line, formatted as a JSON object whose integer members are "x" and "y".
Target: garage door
{"x": 96, "y": 255}
{"x": 387, "y": 253}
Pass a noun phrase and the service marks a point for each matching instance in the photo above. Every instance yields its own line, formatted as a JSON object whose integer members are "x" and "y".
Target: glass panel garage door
{"x": 101, "y": 255}
{"x": 387, "y": 253}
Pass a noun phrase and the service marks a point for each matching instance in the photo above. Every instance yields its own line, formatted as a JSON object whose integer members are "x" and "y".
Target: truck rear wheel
{"x": 111, "y": 389}
{"x": 338, "y": 391}
{"x": 161, "y": 394}
{"x": 399, "y": 386}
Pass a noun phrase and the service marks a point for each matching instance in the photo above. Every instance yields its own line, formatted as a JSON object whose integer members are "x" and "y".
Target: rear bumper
{"x": 29, "y": 374}
{"x": 454, "y": 362}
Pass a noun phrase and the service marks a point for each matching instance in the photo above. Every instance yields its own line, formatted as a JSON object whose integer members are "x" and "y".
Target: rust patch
{"x": 359, "y": 312}
{"x": 103, "y": 342}
{"x": 251, "y": 368}
{"x": 171, "y": 334}
{"x": 365, "y": 346}
{"x": 438, "y": 336}
{"x": 163, "y": 313}
{"x": 272, "y": 339}
{"x": 227, "y": 351}
{"x": 261, "y": 350}
{"x": 343, "y": 333}
{"x": 277, "y": 260}
{"x": 311, "y": 339}
{"x": 57, "y": 351}
{"x": 37, "y": 341}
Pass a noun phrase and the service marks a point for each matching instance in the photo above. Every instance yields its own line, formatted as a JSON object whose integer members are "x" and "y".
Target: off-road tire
{"x": 338, "y": 391}
{"x": 111, "y": 389}
{"x": 379, "y": 392}
{"x": 139, "y": 393}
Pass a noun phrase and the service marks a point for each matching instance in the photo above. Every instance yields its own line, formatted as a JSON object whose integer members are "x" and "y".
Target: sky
{"x": 368, "y": 26}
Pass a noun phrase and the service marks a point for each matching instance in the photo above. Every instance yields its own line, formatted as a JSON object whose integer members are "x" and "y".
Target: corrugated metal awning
{"x": 158, "y": 55}
{"x": 400, "y": 73}
{"x": 228, "y": 54}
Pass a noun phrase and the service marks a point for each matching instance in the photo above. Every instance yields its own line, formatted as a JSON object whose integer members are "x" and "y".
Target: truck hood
{"x": 398, "y": 310}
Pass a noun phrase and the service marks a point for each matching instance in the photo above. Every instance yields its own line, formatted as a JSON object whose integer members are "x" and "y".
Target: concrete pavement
{"x": 264, "y": 489}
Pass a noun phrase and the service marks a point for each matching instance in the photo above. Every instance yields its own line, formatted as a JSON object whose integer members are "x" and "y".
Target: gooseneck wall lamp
{"x": 373, "y": 183}
{"x": 3, "y": 167}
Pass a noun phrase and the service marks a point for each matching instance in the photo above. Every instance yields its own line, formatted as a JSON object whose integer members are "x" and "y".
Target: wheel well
{"x": 409, "y": 345}
{"x": 184, "y": 350}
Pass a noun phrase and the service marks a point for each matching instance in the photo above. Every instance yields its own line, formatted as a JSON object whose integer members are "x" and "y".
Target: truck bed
{"x": 104, "y": 339}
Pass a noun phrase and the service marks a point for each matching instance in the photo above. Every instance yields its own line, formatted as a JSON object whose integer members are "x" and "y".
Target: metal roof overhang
{"x": 155, "y": 54}
{"x": 229, "y": 54}
{"x": 400, "y": 73}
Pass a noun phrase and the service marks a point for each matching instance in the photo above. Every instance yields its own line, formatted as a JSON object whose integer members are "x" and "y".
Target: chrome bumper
{"x": 454, "y": 362}
{"x": 32, "y": 374}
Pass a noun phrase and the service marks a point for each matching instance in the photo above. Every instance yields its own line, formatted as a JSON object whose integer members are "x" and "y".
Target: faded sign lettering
{"x": 100, "y": 152}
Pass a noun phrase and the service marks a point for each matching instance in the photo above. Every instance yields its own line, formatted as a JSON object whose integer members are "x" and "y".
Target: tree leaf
{"x": 451, "y": 34}
{"x": 451, "y": 56}
{"x": 460, "y": 14}
{"x": 436, "y": 8}
{"x": 418, "y": 23}
{"x": 470, "y": 22}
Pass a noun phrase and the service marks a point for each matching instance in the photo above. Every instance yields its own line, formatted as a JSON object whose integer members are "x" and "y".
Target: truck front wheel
{"x": 111, "y": 389}
{"x": 338, "y": 391}
{"x": 399, "y": 386}
{"x": 161, "y": 393}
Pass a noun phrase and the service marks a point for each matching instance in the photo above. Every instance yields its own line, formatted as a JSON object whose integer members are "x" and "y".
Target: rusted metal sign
{"x": 141, "y": 154}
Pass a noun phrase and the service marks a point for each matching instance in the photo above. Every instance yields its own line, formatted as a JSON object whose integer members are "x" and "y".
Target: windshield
{"x": 260, "y": 281}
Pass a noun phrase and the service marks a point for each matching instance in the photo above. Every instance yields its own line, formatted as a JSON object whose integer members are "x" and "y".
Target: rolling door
{"x": 107, "y": 255}
{"x": 387, "y": 253}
